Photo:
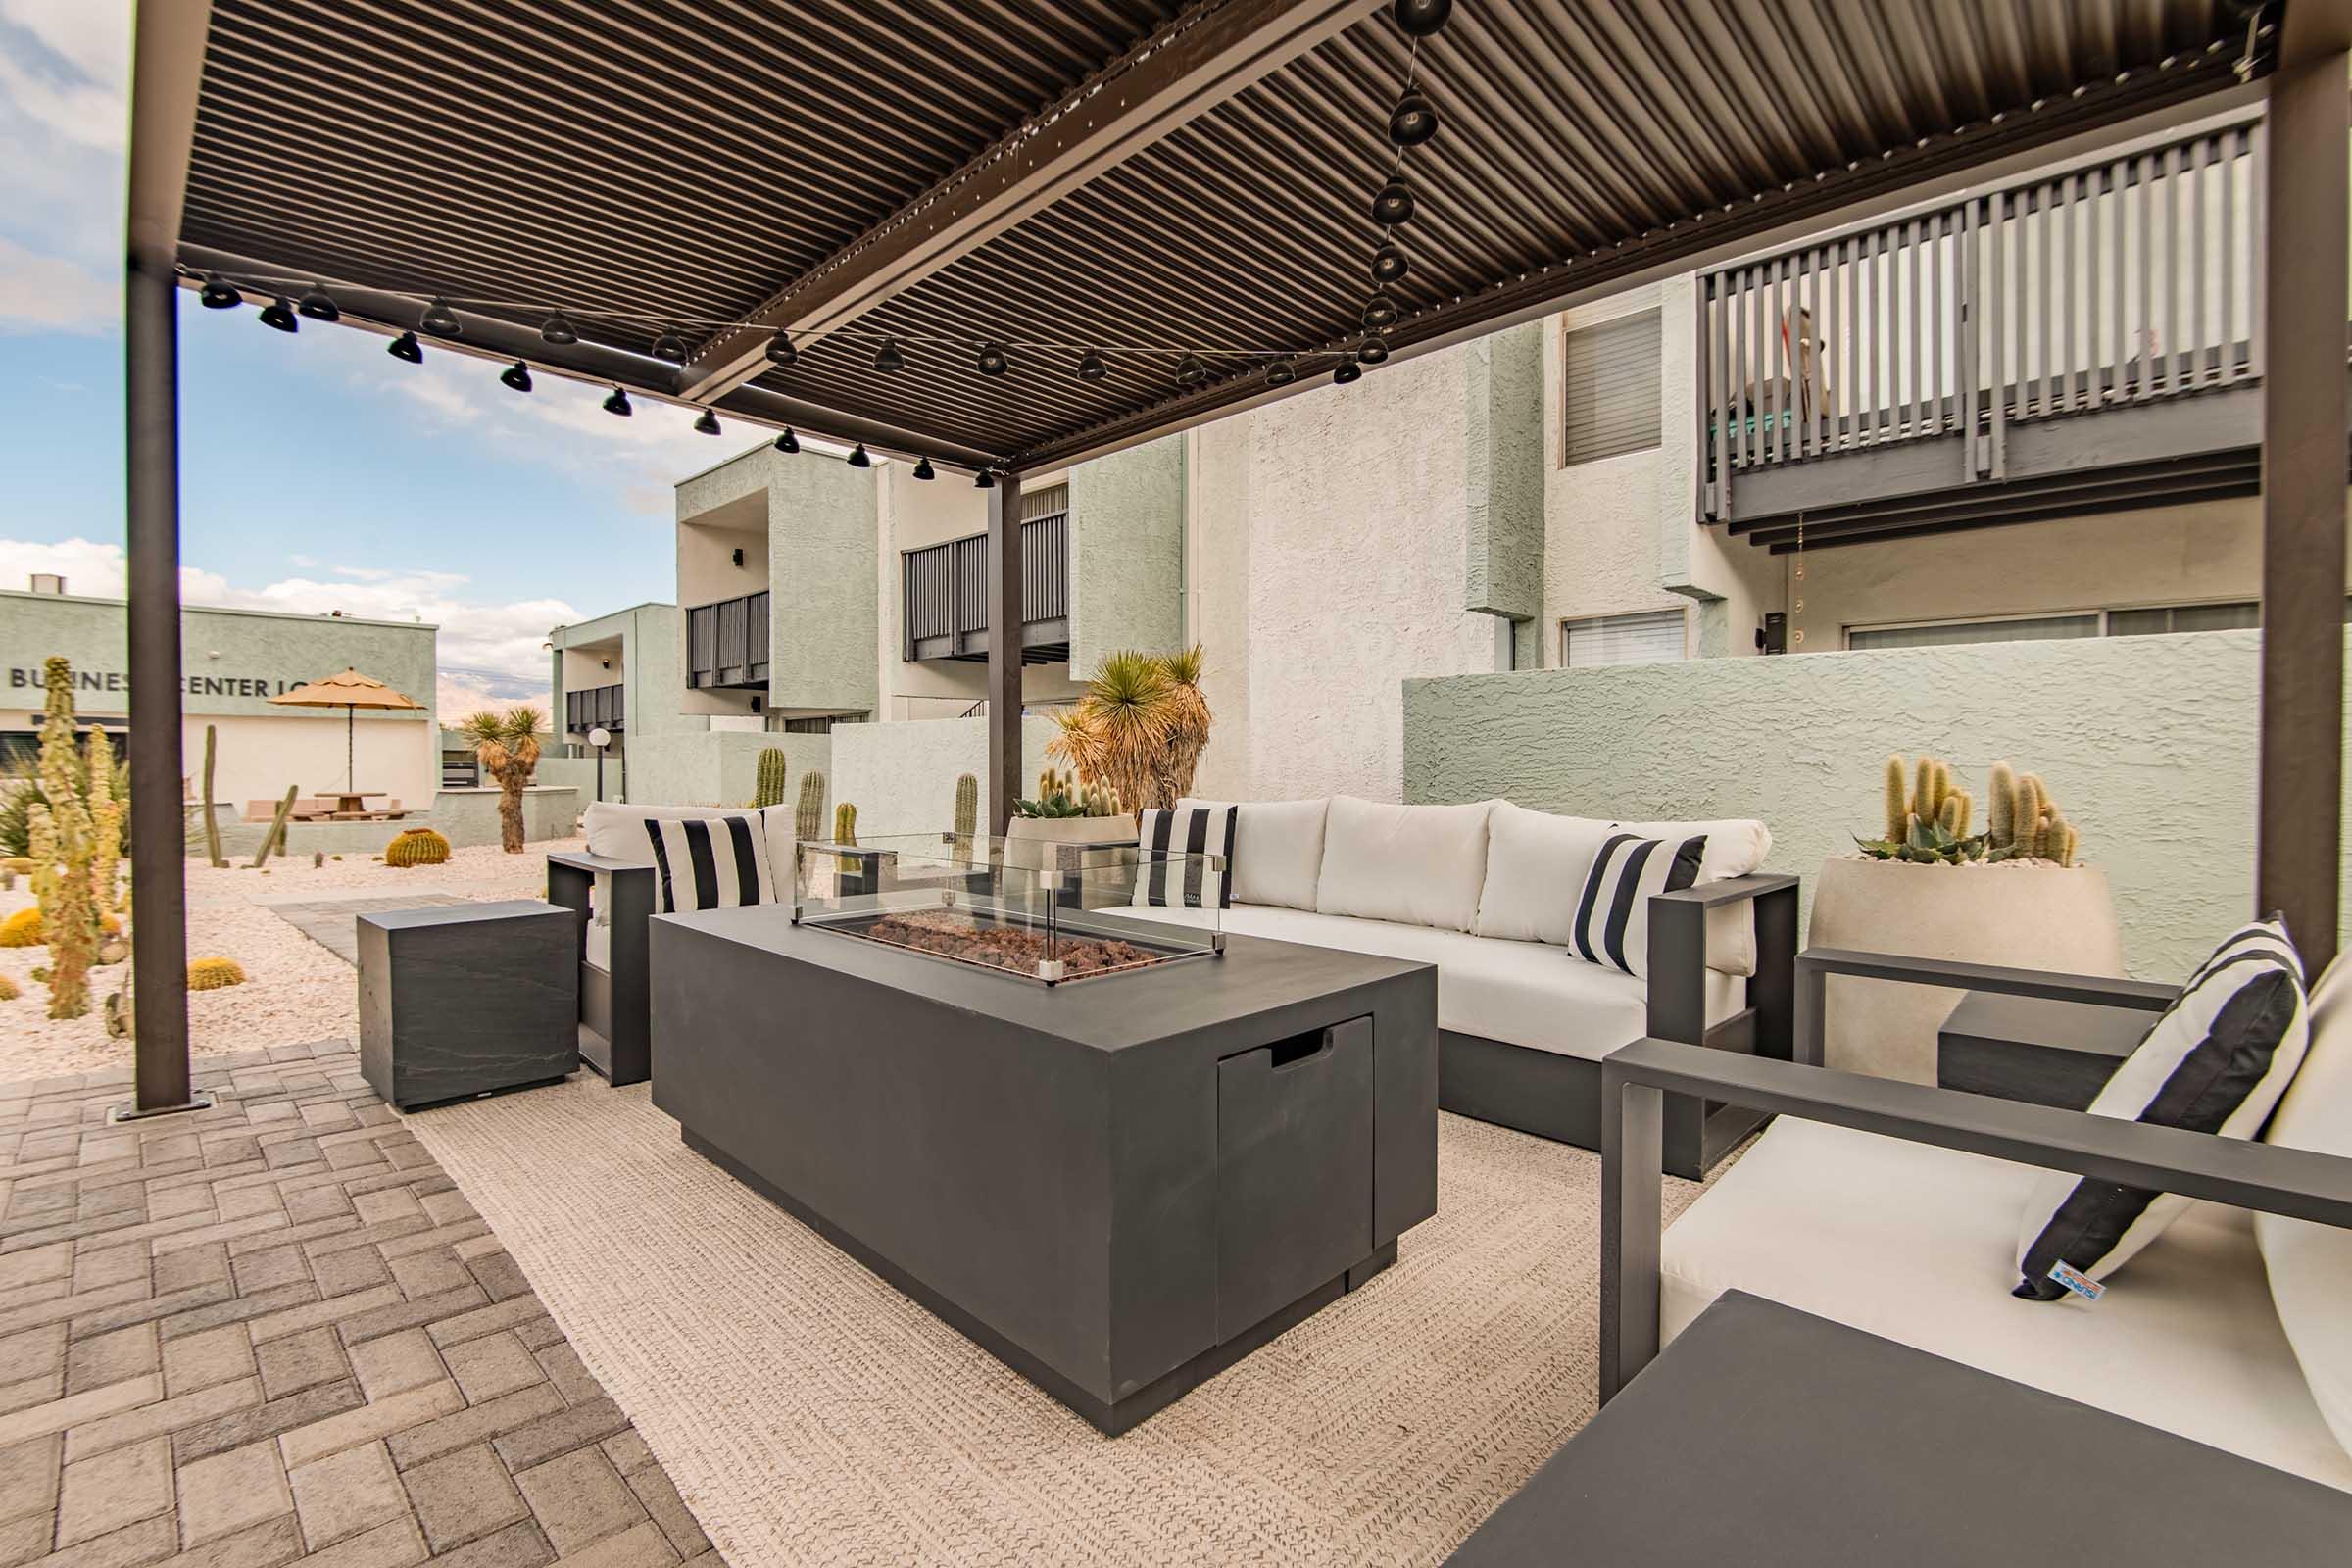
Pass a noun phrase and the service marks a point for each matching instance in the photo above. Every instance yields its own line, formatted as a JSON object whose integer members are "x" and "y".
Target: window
{"x": 2135, "y": 621}
{"x": 1609, "y": 389}
{"x": 1652, "y": 638}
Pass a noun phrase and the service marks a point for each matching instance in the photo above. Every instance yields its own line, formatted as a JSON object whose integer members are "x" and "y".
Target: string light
{"x": 923, "y": 469}
{"x": 858, "y": 458}
{"x": 220, "y": 294}
{"x": 279, "y": 314}
{"x": 1390, "y": 264}
{"x": 788, "y": 443}
{"x": 991, "y": 360}
{"x": 888, "y": 358}
{"x": 559, "y": 330}
{"x": 1393, "y": 205}
{"x": 440, "y": 321}
{"x": 1092, "y": 366}
{"x": 984, "y": 481}
{"x": 780, "y": 350}
{"x": 1413, "y": 121}
{"x": 320, "y": 306}
{"x": 618, "y": 404}
{"x": 1380, "y": 311}
{"x": 1422, "y": 19}
{"x": 671, "y": 346}
{"x": 707, "y": 425}
{"x": 1372, "y": 351}
{"x": 517, "y": 376}
{"x": 1281, "y": 374}
{"x": 406, "y": 347}
{"x": 1190, "y": 370}
{"x": 1350, "y": 372}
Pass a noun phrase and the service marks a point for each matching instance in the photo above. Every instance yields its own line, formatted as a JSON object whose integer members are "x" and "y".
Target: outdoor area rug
{"x": 810, "y": 1413}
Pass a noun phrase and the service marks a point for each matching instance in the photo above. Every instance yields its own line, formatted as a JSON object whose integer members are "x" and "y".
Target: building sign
{"x": 114, "y": 680}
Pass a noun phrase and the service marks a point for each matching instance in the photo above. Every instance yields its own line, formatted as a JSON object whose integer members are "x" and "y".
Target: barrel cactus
{"x": 417, "y": 846}
{"x": 21, "y": 929}
{"x": 773, "y": 769}
{"x": 7, "y": 989}
{"x": 809, "y": 814}
{"x": 214, "y": 974}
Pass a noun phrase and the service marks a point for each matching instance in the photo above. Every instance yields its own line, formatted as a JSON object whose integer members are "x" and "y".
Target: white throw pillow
{"x": 2310, "y": 1264}
{"x": 1537, "y": 865}
{"x": 1417, "y": 864}
{"x": 1277, "y": 850}
{"x": 2215, "y": 1062}
{"x": 1736, "y": 847}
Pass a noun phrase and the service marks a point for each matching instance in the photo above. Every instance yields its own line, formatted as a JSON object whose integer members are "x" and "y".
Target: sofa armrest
{"x": 2243, "y": 1174}
{"x": 582, "y": 861}
{"x": 1815, "y": 965}
{"x": 571, "y": 883}
{"x": 1678, "y": 959}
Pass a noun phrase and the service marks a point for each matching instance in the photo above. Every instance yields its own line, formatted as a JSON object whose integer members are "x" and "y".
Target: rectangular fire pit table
{"x": 1117, "y": 1187}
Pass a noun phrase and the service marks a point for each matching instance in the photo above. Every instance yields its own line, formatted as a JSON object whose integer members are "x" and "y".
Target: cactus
{"x": 1899, "y": 796}
{"x": 2001, "y": 807}
{"x": 808, "y": 816}
{"x": 417, "y": 846}
{"x": 121, "y": 1022}
{"x": 7, "y": 989}
{"x": 773, "y": 770}
{"x": 845, "y": 824}
{"x": 2025, "y": 815}
{"x": 21, "y": 929}
{"x": 214, "y": 974}
{"x": 66, "y": 853}
{"x": 968, "y": 816}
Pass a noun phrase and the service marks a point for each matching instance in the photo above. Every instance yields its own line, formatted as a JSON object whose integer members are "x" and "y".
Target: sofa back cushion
{"x": 2217, "y": 1060}
{"x": 618, "y": 833}
{"x": 1536, "y": 867}
{"x": 2310, "y": 1264}
{"x": 1277, "y": 854}
{"x": 1418, "y": 865}
{"x": 1736, "y": 847}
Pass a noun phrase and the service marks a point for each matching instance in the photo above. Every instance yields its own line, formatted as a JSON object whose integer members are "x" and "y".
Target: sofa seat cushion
{"x": 2310, "y": 1264}
{"x": 1917, "y": 1244}
{"x": 1417, "y": 864}
{"x": 1520, "y": 993}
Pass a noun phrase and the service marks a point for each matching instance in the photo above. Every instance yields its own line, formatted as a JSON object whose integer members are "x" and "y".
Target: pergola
{"x": 1148, "y": 179}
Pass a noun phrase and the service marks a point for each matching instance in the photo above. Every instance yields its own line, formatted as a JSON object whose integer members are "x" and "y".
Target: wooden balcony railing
{"x": 2129, "y": 280}
{"x": 943, "y": 594}
{"x": 584, "y": 711}
{"x": 726, "y": 643}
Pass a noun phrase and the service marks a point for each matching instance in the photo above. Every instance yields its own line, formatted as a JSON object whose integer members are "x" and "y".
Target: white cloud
{"x": 65, "y": 68}
{"x": 50, "y": 294}
{"x": 501, "y": 640}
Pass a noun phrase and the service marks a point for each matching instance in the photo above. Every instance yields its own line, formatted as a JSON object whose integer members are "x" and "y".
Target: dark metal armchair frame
{"x": 1559, "y": 1096}
{"x": 615, "y": 1001}
{"x": 1640, "y": 1082}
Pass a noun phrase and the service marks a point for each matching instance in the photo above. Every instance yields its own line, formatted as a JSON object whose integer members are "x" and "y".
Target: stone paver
{"x": 334, "y": 923}
{"x": 274, "y": 1331}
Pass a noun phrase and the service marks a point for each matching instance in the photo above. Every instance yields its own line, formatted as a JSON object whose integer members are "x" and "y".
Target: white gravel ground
{"x": 295, "y": 990}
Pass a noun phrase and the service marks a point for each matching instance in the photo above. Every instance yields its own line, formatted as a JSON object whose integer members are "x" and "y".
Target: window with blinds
{"x": 1610, "y": 390}
{"x": 1654, "y": 637}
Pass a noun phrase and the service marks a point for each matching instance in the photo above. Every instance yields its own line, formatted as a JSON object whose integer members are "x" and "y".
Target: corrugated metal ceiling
{"x": 689, "y": 160}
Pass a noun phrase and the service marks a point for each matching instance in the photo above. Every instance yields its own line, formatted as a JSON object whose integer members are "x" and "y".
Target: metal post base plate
{"x": 129, "y": 1110}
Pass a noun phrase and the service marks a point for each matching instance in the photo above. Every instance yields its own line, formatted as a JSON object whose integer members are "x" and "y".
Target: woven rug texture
{"x": 810, "y": 1414}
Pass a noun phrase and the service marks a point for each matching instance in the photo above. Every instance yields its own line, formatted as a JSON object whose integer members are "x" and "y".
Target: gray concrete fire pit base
{"x": 1117, "y": 1187}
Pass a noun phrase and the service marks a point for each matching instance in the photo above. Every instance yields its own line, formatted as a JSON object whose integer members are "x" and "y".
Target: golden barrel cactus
{"x": 7, "y": 989}
{"x": 21, "y": 929}
{"x": 214, "y": 974}
{"x": 417, "y": 846}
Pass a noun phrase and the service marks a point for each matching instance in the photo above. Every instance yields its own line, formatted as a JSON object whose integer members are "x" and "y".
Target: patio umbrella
{"x": 350, "y": 690}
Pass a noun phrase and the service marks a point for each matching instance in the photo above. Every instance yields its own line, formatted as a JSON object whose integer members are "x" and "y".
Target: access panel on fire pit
{"x": 1294, "y": 1169}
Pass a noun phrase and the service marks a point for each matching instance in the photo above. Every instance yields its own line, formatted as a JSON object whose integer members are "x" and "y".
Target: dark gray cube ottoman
{"x": 468, "y": 999}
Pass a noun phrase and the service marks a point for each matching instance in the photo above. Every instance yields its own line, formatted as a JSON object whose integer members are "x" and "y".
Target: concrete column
{"x": 2303, "y": 422}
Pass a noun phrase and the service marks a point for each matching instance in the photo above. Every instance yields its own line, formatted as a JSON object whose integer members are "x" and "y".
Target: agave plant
{"x": 508, "y": 746}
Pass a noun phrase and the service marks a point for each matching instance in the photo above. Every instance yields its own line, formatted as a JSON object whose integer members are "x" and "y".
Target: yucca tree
{"x": 508, "y": 747}
{"x": 1139, "y": 728}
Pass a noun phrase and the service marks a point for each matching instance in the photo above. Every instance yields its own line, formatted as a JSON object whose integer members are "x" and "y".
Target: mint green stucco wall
{"x": 2148, "y": 743}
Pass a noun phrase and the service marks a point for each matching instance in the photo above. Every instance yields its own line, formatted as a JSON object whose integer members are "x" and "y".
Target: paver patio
{"x": 275, "y": 1332}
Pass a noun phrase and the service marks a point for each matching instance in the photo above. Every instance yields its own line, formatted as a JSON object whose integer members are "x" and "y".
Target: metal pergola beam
{"x": 2305, "y": 264}
{"x": 1130, "y": 106}
{"x": 167, "y": 71}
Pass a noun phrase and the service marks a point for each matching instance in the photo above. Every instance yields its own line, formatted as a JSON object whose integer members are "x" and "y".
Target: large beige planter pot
{"x": 1029, "y": 840}
{"x": 2031, "y": 913}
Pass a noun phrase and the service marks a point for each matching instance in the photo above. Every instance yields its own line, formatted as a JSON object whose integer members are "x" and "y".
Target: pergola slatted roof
{"x": 861, "y": 169}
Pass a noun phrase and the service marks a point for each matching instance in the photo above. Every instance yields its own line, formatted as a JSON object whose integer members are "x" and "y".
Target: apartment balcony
{"x": 2077, "y": 344}
{"x": 596, "y": 706}
{"x": 726, "y": 644}
{"x": 944, "y": 595}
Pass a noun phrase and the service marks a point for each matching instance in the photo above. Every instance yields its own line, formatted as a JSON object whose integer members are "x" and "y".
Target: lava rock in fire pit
{"x": 1007, "y": 947}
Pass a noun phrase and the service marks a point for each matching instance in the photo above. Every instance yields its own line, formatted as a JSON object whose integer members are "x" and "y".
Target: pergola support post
{"x": 2303, "y": 433}
{"x": 1004, "y": 650}
{"x": 158, "y": 866}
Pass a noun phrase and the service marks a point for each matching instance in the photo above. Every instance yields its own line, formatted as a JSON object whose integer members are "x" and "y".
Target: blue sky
{"x": 316, "y": 471}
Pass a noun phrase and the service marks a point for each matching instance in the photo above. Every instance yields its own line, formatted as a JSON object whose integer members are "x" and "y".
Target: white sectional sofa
{"x": 1884, "y": 1206}
{"x": 1490, "y": 892}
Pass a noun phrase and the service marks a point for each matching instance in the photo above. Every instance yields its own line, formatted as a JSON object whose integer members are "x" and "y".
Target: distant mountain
{"x": 495, "y": 685}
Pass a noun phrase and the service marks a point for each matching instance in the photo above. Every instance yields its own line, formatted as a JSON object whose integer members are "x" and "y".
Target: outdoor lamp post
{"x": 600, "y": 738}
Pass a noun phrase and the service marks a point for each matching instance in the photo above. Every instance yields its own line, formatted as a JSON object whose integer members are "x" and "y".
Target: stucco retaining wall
{"x": 719, "y": 767}
{"x": 466, "y": 817}
{"x": 2148, "y": 744}
{"x": 901, "y": 777}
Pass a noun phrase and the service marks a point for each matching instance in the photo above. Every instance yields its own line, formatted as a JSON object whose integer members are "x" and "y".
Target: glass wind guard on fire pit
{"x": 1042, "y": 910}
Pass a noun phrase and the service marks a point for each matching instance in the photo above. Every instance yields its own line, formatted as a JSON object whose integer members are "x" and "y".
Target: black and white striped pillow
{"x": 1612, "y": 918}
{"x": 709, "y": 863}
{"x": 2215, "y": 1062}
{"x": 1172, "y": 870}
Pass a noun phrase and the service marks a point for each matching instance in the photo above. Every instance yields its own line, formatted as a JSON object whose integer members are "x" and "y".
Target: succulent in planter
{"x": 1929, "y": 819}
{"x": 1058, "y": 795}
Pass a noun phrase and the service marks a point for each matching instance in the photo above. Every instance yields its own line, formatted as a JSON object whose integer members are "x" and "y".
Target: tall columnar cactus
{"x": 968, "y": 816}
{"x": 2025, "y": 815}
{"x": 773, "y": 771}
{"x": 808, "y": 815}
{"x": 63, "y": 847}
{"x": 106, "y": 827}
{"x": 1899, "y": 798}
{"x": 845, "y": 824}
{"x": 2001, "y": 807}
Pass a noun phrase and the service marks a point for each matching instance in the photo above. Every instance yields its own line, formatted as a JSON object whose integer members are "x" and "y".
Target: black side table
{"x": 2032, "y": 1048}
{"x": 468, "y": 999}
